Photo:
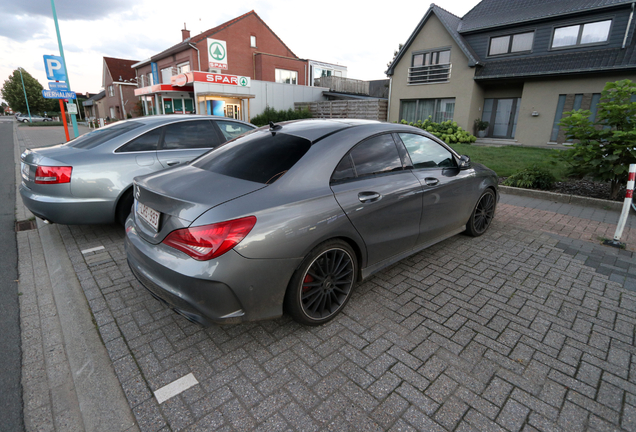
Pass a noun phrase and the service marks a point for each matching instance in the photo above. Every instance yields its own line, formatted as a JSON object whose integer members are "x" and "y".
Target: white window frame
{"x": 163, "y": 75}
{"x": 183, "y": 67}
{"x": 293, "y": 76}
{"x": 253, "y": 41}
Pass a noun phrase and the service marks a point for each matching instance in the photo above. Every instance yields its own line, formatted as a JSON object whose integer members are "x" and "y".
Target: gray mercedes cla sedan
{"x": 289, "y": 217}
{"x": 89, "y": 179}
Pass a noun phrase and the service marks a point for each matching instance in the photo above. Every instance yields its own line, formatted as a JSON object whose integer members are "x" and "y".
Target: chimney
{"x": 185, "y": 34}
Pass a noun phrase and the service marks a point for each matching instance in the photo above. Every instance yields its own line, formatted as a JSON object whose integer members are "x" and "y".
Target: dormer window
{"x": 508, "y": 44}
{"x": 581, "y": 34}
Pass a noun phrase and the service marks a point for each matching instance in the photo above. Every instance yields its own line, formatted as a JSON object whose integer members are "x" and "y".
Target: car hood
{"x": 187, "y": 192}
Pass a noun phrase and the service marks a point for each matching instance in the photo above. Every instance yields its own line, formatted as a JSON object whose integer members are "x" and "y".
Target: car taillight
{"x": 210, "y": 241}
{"x": 53, "y": 174}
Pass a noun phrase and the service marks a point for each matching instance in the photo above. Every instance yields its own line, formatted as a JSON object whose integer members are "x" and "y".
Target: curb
{"x": 562, "y": 198}
{"x": 102, "y": 402}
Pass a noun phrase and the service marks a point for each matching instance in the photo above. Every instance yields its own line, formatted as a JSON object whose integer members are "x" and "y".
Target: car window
{"x": 146, "y": 142}
{"x": 377, "y": 155}
{"x": 190, "y": 134}
{"x": 344, "y": 170}
{"x": 101, "y": 135}
{"x": 257, "y": 157}
{"x": 232, "y": 129}
{"x": 426, "y": 153}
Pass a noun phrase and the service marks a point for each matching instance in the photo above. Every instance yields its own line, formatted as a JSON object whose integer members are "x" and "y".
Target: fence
{"x": 375, "y": 109}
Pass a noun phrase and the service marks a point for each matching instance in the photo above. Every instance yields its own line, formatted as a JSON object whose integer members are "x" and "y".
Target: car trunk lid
{"x": 181, "y": 195}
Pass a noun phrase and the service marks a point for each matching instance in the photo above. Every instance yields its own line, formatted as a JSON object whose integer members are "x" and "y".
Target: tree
{"x": 605, "y": 147}
{"x": 13, "y": 93}
{"x": 395, "y": 53}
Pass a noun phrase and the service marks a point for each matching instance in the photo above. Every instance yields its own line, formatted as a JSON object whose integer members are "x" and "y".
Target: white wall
{"x": 275, "y": 95}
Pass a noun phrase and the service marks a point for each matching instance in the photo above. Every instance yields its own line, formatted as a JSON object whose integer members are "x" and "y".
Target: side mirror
{"x": 464, "y": 162}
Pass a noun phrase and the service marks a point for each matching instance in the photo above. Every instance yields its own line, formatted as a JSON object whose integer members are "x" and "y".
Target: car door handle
{"x": 172, "y": 163}
{"x": 431, "y": 181}
{"x": 366, "y": 197}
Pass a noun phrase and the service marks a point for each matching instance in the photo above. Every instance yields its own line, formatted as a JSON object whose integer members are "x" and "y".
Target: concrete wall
{"x": 461, "y": 86}
{"x": 543, "y": 96}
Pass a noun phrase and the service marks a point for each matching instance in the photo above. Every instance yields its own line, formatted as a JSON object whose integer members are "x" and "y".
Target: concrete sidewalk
{"x": 529, "y": 327}
{"x": 67, "y": 377}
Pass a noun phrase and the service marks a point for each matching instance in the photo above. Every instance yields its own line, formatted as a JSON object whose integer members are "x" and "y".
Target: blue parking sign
{"x": 54, "y": 68}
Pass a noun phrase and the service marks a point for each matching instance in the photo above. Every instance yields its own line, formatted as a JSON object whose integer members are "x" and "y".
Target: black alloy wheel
{"x": 483, "y": 214}
{"x": 322, "y": 285}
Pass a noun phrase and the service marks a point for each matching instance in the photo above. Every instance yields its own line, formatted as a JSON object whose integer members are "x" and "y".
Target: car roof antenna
{"x": 274, "y": 127}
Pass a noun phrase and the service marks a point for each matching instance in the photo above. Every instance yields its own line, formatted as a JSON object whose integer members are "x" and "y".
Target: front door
{"x": 501, "y": 114}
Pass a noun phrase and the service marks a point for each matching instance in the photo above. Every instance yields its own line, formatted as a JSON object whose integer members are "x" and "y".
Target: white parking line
{"x": 175, "y": 387}
{"x": 95, "y": 249}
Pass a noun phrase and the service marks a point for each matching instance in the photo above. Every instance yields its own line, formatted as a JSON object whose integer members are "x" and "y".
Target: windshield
{"x": 257, "y": 157}
{"x": 101, "y": 135}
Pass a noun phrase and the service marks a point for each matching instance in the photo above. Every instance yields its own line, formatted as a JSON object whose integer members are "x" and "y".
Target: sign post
{"x": 63, "y": 63}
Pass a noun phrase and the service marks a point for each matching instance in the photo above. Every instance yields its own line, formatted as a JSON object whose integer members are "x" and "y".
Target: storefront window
{"x": 183, "y": 68}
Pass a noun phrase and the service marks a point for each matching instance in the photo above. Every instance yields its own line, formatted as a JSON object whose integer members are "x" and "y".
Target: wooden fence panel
{"x": 356, "y": 109}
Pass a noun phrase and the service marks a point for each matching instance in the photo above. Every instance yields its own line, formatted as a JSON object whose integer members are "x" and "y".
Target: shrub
{"x": 448, "y": 131}
{"x": 270, "y": 114}
{"x": 604, "y": 148}
{"x": 531, "y": 178}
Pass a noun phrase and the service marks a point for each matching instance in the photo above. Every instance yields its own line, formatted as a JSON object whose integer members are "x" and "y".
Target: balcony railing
{"x": 429, "y": 74}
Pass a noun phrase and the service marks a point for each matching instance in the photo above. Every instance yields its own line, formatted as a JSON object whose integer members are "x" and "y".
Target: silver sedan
{"x": 89, "y": 179}
{"x": 290, "y": 217}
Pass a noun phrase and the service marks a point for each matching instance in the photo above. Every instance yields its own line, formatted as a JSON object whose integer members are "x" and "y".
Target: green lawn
{"x": 510, "y": 159}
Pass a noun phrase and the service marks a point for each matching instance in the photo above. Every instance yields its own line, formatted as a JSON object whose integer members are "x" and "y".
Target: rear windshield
{"x": 257, "y": 157}
{"x": 101, "y": 135}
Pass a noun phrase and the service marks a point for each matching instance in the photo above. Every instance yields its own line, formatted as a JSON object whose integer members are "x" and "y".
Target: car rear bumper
{"x": 65, "y": 210}
{"x": 227, "y": 290}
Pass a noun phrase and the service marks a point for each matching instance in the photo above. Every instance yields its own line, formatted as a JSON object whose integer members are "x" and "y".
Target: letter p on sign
{"x": 54, "y": 67}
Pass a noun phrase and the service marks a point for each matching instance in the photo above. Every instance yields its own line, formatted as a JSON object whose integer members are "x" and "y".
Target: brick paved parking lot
{"x": 530, "y": 327}
{"x": 510, "y": 331}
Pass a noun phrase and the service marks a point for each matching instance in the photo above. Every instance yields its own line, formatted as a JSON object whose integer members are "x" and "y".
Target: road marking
{"x": 175, "y": 387}
{"x": 95, "y": 249}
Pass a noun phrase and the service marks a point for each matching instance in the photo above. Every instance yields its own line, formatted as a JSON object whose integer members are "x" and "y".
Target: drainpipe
{"x": 123, "y": 107}
{"x": 629, "y": 23}
{"x": 198, "y": 55}
{"x": 388, "y": 108}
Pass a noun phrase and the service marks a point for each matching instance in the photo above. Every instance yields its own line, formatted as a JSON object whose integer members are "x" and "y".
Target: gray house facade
{"x": 515, "y": 64}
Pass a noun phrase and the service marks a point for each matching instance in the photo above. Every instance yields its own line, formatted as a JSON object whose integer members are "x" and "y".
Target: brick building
{"x": 119, "y": 82}
{"x": 227, "y": 70}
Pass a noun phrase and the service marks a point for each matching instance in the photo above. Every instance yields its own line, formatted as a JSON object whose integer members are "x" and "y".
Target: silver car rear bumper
{"x": 65, "y": 210}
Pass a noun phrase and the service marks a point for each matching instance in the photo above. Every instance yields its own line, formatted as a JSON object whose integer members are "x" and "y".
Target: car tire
{"x": 25, "y": 121}
{"x": 483, "y": 214}
{"x": 322, "y": 285}
{"x": 124, "y": 206}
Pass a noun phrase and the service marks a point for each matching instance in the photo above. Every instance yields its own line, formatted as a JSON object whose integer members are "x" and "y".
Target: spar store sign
{"x": 191, "y": 77}
{"x": 217, "y": 54}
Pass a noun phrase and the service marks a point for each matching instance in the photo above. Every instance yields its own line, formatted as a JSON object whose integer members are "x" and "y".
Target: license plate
{"x": 24, "y": 168}
{"x": 149, "y": 215}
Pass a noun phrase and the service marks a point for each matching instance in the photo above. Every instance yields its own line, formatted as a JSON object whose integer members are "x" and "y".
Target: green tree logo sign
{"x": 217, "y": 51}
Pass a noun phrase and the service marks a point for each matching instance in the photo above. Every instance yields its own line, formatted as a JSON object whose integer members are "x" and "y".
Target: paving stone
{"x": 516, "y": 330}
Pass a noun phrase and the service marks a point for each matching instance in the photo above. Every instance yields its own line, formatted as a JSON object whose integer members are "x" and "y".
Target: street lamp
{"x": 25, "y": 96}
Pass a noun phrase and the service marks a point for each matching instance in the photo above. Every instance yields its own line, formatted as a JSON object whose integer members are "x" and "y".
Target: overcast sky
{"x": 353, "y": 33}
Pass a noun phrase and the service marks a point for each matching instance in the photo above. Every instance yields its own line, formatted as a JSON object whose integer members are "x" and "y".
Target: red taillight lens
{"x": 53, "y": 174}
{"x": 210, "y": 241}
